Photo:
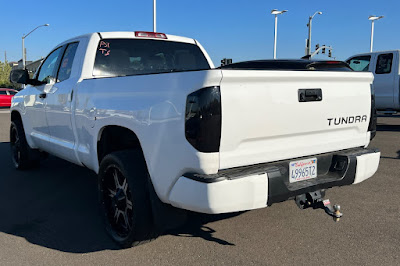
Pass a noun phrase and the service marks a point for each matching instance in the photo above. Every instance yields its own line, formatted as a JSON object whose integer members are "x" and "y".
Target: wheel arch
{"x": 112, "y": 138}
{"x": 15, "y": 115}
{"x": 165, "y": 216}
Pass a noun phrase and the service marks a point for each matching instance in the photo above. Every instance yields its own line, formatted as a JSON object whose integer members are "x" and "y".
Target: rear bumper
{"x": 258, "y": 186}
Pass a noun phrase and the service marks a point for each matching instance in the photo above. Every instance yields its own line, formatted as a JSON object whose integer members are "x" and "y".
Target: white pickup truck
{"x": 385, "y": 66}
{"x": 165, "y": 130}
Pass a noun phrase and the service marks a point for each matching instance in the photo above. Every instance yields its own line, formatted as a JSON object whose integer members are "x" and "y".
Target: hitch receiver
{"x": 315, "y": 200}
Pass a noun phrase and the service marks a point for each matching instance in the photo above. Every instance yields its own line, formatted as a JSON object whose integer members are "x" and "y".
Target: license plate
{"x": 302, "y": 170}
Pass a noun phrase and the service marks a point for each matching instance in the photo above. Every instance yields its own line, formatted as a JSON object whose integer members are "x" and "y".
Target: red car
{"x": 6, "y": 96}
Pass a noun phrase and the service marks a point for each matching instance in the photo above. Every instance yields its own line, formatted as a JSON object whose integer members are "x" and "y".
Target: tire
{"x": 22, "y": 155}
{"x": 124, "y": 198}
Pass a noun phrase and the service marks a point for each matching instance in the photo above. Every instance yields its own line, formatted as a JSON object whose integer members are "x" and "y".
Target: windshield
{"x": 122, "y": 57}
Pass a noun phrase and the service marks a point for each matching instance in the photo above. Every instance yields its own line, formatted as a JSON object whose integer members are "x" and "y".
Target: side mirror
{"x": 19, "y": 76}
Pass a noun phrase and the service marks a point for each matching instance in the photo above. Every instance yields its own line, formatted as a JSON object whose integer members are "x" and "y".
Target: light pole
{"x": 154, "y": 15}
{"x": 373, "y": 18}
{"x": 276, "y": 13}
{"x": 308, "y": 52}
{"x": 23, "y": 44}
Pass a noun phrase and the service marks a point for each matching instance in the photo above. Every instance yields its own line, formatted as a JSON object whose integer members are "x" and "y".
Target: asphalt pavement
{"x": 50, "y": 216}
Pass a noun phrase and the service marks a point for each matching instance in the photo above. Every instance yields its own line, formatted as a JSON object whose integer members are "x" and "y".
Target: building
{"x": 33, "y": 66}
{"x": 20, "y": 63}
{"x": 13, "y": 65}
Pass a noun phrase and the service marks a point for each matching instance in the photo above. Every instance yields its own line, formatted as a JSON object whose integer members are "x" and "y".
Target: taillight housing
{"x": 373, "y": 119}
{"x": 147, "y": 34}
{"x": 203, "y": 119}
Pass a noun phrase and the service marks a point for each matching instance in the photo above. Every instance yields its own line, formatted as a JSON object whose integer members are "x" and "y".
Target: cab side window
{"x": 66, "y": 62}
{"x": 384, "y": 64}
{"x": 360, "y": 63}
{"x": 48, "y": 70}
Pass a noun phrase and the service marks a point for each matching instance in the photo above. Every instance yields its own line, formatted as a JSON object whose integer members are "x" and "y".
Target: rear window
{"x": 123, "y": 57}
{"x": 360, "y": 63}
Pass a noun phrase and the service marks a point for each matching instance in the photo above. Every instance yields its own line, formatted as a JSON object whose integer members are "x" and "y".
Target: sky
{"x": 237, "y": 29}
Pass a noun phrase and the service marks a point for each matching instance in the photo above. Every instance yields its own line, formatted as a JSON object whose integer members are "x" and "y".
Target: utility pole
{"x": 372, "y": 19}
{"x": 372, "y": 37}
{"x": 154, "y": 15}
{"x": 309, "y": 25}
{"x": 23, "y": 52}
{"x": 23, "y": 44}
{"x": 275, "y": 34}
{"x": 309, "y": 36}
{"x": 276, "y": 13}
{"x": 5, "y": 57}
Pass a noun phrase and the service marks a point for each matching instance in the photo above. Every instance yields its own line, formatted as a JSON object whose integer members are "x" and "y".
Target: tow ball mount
{"x": 316, "y": 200}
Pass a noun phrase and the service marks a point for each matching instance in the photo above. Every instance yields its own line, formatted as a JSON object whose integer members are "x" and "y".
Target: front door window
{"x": 48, "y": 70}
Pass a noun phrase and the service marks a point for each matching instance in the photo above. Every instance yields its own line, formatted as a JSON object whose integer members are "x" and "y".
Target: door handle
{"x": 310, "y": 95}
{"x": 42, "y": 95}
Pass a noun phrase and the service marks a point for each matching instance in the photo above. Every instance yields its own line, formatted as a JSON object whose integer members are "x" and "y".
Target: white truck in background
{"x": 385, "y": 66}
{"x": 166, "y": 131}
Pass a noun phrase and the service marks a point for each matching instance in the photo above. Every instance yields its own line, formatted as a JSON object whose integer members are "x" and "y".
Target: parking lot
{"x": 50, "y": 216}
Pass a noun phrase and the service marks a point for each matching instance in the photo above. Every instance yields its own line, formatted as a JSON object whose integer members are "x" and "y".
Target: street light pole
{"x": 309, "y": 25}
{"x": 23, "y": 44}
{"x": 309, "y": 36}
{"x": 275, "y": 34}
{"x": 23, "y": 52}
{"x": 154, "y": 15}
{"x": 372, "y": 36}
{"x": 373, "y": 18}
{"x": 276, "y": 13}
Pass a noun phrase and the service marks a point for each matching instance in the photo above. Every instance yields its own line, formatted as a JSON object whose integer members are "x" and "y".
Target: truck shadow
{"x": 394, "y": 158}
{"x": 55, "y": 206}
{"x": 196, "y": 227}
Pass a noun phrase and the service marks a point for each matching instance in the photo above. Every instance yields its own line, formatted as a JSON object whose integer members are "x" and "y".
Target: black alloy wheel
{"x": 124, "y": 198}
{"x": 22, "y": 155}
{"x": 15, "y": 146}
{"x": 118, "y": 201}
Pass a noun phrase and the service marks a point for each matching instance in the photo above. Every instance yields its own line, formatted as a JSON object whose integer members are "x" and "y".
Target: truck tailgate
{"x": 264, "y": 121}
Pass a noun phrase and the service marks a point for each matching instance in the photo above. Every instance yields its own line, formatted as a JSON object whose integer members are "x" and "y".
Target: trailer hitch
{"x": 316, "y": 200}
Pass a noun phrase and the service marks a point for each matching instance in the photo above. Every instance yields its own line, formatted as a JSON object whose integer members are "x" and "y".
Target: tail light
{"x": 373, "y": 119}
{"x": 203, "y": 119}
{"x": 147, "y": 34}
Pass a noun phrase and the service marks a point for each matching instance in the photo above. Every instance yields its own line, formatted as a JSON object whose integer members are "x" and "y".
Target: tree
{"x": 5, "y": 70}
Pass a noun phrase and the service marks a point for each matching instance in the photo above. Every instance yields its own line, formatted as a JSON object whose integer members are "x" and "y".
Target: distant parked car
{"x": 6, "y": 96}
